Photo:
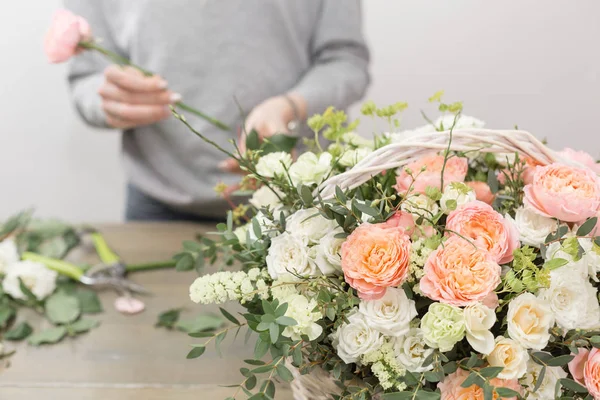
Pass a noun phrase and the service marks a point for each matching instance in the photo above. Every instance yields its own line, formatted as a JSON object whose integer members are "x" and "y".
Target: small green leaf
{"x": 49, "y": 336}
{"x": 6, "y": 313}
{"x": 492, "y": 181}
{"x": 185, "y": 262}
{"x": 572, "y": 385}
{"x": 252, "y": 140}
{"x": 192, "y": 246}
{"x": 279, "y": 142}
{"x": 306, "y": 195}
{"x": 269, "y": 389}
{"x": 251, "y": 382}
{"x": 218, "y": 340}
{"x": 473, "y": 379}
{"x": 506, "y": 393}
{"x": 560, "y": 361}
{"x": 19, "y": 332}
{"x": 84, "y": 325}
{"x": 88, "y": 301}
{"x": 268, "y": 308}
{"x": 284, "y": 373}
{"x": 230, "y": 317}
{"x": 540, "y": 379}
{"x": 366, "y": 209}
{"x": 587, "y": 227}
{"x": 27, "y": 292}
{"x": 555, "y": 263}
{"x": 286, "y": 321}
{"x": 490, "y": 372}
{"x": 254, "y": 362}
{"x": 274, "y": 332}
{"x": 62, "y": 308}
{"x": 260, "y": 349}
{"x": 168, "y": 318}
{"x": 204, "y": 322}
{"x": 196, "y": 352}
{"x": 488, "y": 391}
{"x": 340, "y": 196}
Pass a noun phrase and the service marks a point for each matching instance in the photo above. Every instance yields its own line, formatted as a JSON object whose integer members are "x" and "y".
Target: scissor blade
{"x": 133, "y": 287}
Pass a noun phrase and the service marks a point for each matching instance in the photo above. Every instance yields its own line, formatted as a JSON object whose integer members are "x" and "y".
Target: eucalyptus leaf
{"x": 205, "y": 322}
{"x": 84, "y": 325}
{"x": 49, "y": 336}
{"x": 54, "y": 248}
{"x": 587, "y": 227}
{"x": 19, "y": 332}
{"x": 88, "y": 301}
{"x": 168, "y": 318}
{"x": 62, "y": 308}
{"x": 6, "y": 313}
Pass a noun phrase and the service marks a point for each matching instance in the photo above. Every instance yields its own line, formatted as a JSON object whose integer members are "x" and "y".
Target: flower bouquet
{"x": 446, "y": 262}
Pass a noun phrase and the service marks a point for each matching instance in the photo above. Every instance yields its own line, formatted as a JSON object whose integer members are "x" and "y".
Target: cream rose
{"x": 391, "y": 314}
{"x": 411, "y": 351}
{"x": 288, "y": 255}
{"x": 40, "y": 280}
{"x": 533, "y": 228}
{"x": 310, "y": 224}
{"x": 573, "y": 300}
{"x": 420, "y": 205}
{"x": 529, "y": 321}
{"x": 310, "y": 168}
{"x": 328, "y": 253}
{"x": 356, "y": 338}
{"x": 273, "y": 164}
{"x": 264, "y": 197}
{"x": 9, "y": 255}
{"x": 479, "y": 319}
{"x": 509, "y": 355}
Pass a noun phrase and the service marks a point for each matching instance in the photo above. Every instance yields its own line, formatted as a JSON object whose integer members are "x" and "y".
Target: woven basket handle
{"x": 414, "y": 146}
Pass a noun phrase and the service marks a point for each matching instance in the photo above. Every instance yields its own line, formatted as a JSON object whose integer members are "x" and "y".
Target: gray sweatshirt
{"x": 217, "y": 52}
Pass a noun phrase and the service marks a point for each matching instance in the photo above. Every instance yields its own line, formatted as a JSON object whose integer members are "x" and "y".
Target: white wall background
{"x": 527, "y": 62}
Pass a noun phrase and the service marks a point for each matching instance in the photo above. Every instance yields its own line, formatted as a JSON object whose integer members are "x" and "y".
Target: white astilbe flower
{"x": 9, "y": 255}
{"x": 40, "y": 280}
{"x": 224, "y": 286}
{"x": 385, "y": 366}
{"x": 419, "y": 253}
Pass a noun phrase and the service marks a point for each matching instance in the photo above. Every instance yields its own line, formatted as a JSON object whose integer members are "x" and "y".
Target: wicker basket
{"x": 318, "y": 384}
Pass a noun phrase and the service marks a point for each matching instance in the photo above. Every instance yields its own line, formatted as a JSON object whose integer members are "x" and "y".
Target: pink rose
{"x": 452, "y": 390}
{"x": 482, "y": 191}
{"x": 591, "y": 373}
{"x": 66, "y": 32}
{"x": 486, "y": 228}
{"x": 455, "y": 171}
{"x": 582, "y": 158}
{"x": 459, "y": 274}
{"x": 491, "y": 301}
{"x": 577, "y": 364}
{"x": 567, "y": 193}
{"x": 375, "y": 257}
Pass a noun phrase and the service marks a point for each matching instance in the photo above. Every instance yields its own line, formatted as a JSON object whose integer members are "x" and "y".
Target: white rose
{"x": 273, "y": 164}
{"x": 241, "y": 232}
{"x": 575, "y": 266}
{"x": 9, "y": 254}
{"x": 288, "y": 255}
{"x": 479, "y": 319}
{"x": 354, "y": 139}
{"x": 420, "y": 205}
{"x": 460, "y": 193}
{"x": 548, "y": 386}
{"x": 591, "y": 257}
{"x": 533, "y": 228}
{"x": 328, "y": 253}
{"x": 301, "y": 310}
{"x": 572, "y": 300}
{"x": 310, "y": 168}
{"x": 464, "y": 122}
{"x": 509, "y": 355}
{"x": 267, "y": 227}
{"x": 355, "y": 339}
{"x": 310, "y": 224}
{"x": 529, "y": 321}
{"x": 351, "y": 157}
{"x": 391, "y": 314}
{"x": 410, "y": 351}
{"x": 40, "y": 280}
{"x": 264, "y": 197}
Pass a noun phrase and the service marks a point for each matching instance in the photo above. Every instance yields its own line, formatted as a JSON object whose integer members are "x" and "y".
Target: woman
{"x": 280, "y": 60}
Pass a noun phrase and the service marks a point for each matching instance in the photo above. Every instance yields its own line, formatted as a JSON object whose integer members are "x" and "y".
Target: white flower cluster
{"x": 533, "y": 228}
{"x": 386, "y": 367}
{"x": 309, "y": 247}
{"x": 420, "y": 205}
{"x": 224, "y": 286}
{"x": 419, "y": 253}
{"x": 310, "y": 168}
{"x": 300, "y": 308}
{"x": 273, "y": 164}
{"x": 40, "y": 280}
{"x": 351, "y": 157}
{"x": 456, "y": 195}
{"x": 266, "y": 196}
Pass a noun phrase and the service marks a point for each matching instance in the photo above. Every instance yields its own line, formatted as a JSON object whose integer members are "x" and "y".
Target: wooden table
{"x": 127, "y": 358}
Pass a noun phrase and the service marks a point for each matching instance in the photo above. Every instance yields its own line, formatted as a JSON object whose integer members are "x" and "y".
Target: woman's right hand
{"x": 130, "y": 99}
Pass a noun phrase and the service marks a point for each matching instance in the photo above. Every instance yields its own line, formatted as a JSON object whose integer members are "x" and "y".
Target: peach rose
{"x": 581, "y": 157}
{"x": 455, "y": 171}
{"x": 459, "y": 274}
{"x": 452, "y": 390}
{"x": 577, "y": 364}
{"x": 375, "y": 257}
{"x": 482, "y": 191}
{"x": 406, "y": 221}
{"x": 487, "y": 228}
{"x": 569, "y": 194}
{"x": 591, "y": 373}
{"x": 66, "y": 32}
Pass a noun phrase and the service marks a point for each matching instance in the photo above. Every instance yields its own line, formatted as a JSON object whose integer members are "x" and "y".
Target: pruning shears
{"x": 111, "y": 272}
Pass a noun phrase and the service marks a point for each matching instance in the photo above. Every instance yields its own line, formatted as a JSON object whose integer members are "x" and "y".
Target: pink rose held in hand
{"x": 455, "y": 171}
{"x": 567, "y": 193}
{"x": 66, "y": 32}
{"x": 459, "y": 274}
{"x": 488, "y": 229}
{"x": 375, "y": 257}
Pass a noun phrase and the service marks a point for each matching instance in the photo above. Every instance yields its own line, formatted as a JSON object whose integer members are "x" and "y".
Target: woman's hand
{"x": 268, "y": 118}
{"x": 131, "y": 99}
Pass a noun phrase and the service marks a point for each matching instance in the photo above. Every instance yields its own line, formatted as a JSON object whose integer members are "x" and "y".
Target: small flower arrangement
{"x": 447, "y": 262}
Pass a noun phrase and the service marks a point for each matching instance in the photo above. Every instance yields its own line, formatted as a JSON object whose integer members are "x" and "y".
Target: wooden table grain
{"x": 127, "y": 358}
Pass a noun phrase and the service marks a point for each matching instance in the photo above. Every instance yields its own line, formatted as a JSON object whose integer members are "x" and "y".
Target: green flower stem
{"x": 104, "y": 252}
{"x": 118, "y": 59}
{"x": 150, "y": 266}
{"x": 62, "y": 267}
